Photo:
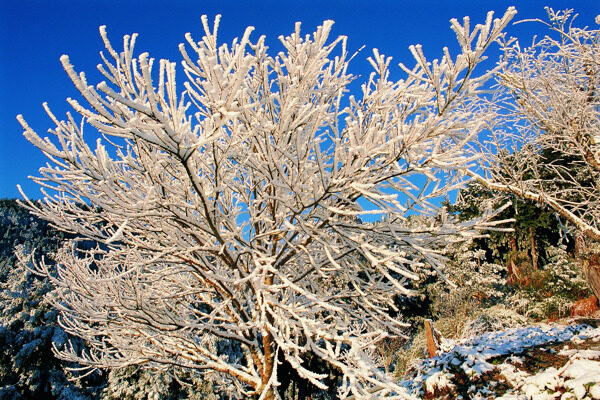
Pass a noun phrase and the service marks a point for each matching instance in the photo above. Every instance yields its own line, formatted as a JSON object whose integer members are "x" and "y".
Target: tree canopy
{"x": 231, "y": 214}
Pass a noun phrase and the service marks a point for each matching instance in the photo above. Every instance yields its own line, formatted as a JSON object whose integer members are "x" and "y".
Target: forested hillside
{"x": 28, "y": 325}
{"x": 29, "y": 329}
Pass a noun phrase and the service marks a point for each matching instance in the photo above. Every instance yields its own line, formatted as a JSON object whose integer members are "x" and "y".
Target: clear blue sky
{"x": 34, "y": 34}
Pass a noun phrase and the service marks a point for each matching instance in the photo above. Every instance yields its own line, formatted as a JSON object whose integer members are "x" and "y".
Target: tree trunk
{"x": 512, "y": 255}
{"x": 591, "y": 264}
{"x": 270, "y": 394}
{"x": 534, "y": 255}
{"x": 269, "y": 362}
{"x": 591, "y": 269}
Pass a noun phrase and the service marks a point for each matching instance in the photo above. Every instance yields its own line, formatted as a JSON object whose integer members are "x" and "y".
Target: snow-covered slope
{"x": 537, "y": 362}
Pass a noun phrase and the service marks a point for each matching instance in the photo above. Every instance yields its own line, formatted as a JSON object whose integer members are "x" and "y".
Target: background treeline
{"x": 29, "y": 330}
{"x": 504, "y": 279}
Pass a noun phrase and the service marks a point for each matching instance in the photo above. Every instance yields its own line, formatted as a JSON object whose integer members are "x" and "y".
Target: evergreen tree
{"x": 534, "y": 228}
{"x": 28, "y": 328}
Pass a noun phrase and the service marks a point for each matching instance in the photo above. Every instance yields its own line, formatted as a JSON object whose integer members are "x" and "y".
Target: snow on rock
{"x": 539, "y": 383}
{"x": 583, "y": 373}
{"x": 439, "y": 379}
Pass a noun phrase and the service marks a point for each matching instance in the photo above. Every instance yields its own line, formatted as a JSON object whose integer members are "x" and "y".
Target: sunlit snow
{"x": 578, "y": 378}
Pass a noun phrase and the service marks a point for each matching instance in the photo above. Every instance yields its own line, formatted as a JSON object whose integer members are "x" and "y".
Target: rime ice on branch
{"x": 544, "y": 144}
{"x": 229, "y": 213}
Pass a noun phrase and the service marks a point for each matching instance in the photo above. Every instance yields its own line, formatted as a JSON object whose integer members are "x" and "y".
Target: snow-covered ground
{"x": 536, "y": 362}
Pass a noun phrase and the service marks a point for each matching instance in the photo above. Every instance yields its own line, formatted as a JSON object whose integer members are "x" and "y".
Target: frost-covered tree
{"x": 139, "y": 383}
{"x": 545, "y": 132}
{"x": 231, "y": 212}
